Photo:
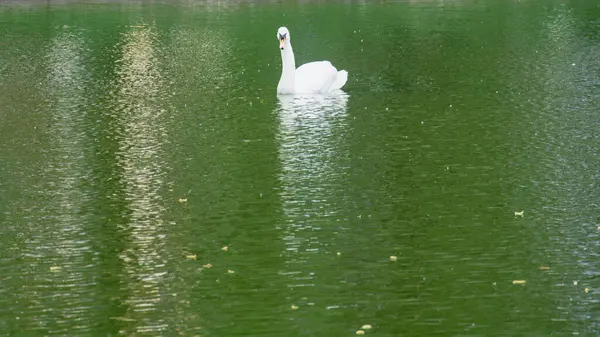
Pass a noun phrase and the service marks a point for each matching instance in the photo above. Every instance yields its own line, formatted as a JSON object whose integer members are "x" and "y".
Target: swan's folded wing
{"x": 315, "y": 77}
{"x": 340, "y": 80}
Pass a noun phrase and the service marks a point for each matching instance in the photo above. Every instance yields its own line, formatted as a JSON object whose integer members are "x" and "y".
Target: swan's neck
{"x": 286, "y": 82}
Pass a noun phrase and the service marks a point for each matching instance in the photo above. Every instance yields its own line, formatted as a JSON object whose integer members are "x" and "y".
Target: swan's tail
{"x": 340, "y": 80}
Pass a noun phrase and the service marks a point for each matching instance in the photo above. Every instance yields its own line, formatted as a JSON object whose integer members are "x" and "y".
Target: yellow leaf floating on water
{"x": 587, "y": 290}
{"x": 191, "y": 257}
{"x": 208, "y": 265}
{"x": 225, "y": 248}
{"x": 544, "y": 268}
{"x": 55, "y": 268}
{"x": 575, "y": 283}
{"x": 366, "y": 327}
{"x": 339, "y": 254}
{"x": 360, "y": 332}
{"x": 182, "y": 200}
{"x": 230, "y": 271}
{"x": 393, "y": 258}
{"x": 519, "y": 282}
{"x": 294, "y": 307}
{"x": 520, "y": 213}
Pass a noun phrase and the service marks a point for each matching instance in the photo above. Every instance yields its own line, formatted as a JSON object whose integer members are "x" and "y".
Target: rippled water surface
{"x": 153, "y": 184}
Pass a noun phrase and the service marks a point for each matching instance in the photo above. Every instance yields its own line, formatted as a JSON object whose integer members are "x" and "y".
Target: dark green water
{"x": 456, "y": 116}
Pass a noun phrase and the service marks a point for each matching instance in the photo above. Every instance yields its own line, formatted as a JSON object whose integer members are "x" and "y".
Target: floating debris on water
{"x": 182, "y": 200}
{"x": 519, "y": 282}
{"x": 191, "y": 257}
{"x": 122, "y": 319}
{"x": 520, "y": 213}
{"x": 393, "y": 258}
{"x": 544, "y": 268}
{"x": 339, "y": 254}
{"x": 230, "y": 271}
{"x": 55, "y": 268}
{"x": 208, "y": 265}
{"x": 575, "y": 283}
{"x": 366, "y": 327}
{"x": 587, "y": 290}
{"x": 225, "y": 248}
{"x": 293, "y": 307}
{"x": 360, "y": 332}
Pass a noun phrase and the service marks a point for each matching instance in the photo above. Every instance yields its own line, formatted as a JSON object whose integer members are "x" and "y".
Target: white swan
{"x": 310, "y": 78}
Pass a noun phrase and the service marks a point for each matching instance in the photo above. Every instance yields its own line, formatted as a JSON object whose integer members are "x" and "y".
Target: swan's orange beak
{"x": 281, "y": 43}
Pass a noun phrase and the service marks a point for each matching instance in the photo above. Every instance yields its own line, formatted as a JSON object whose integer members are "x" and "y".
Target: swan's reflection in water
{"x": 311, "y": 132}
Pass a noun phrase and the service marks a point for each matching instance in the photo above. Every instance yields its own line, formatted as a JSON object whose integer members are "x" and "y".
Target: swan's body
{"x": 310, "y": 78}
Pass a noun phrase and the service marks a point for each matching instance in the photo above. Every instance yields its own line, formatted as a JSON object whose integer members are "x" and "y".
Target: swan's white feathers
{"x": 340, "y": 80}
{"x": 311, "y": 78}
{"x": 315, "y": 77}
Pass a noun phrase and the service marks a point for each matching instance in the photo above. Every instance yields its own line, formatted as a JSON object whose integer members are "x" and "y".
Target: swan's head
{"x": 283, "y": 35}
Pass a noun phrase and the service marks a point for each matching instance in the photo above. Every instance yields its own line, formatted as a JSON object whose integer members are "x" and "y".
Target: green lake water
{"x": 139, "y": 139}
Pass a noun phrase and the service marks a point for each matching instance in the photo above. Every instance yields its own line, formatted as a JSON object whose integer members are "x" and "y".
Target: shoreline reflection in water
{"x": 139, "y": 112}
